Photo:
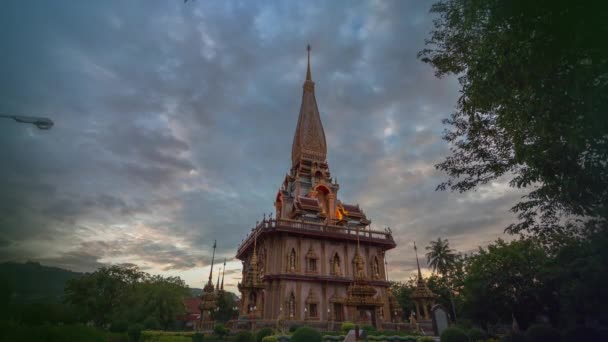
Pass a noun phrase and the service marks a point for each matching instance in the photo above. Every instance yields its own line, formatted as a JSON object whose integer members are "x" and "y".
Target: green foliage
{"x": 293, "y": 328}
{"x": 134, "y": 332}
{"x": 263, "y": 333}
{"x": 272, "y": 338}
{"x": 501, "y": 281}
{"x": 425, "y": 339}
{"x": 226, "y": 304}
{"x": 532, "y": 105}
{"x": 112, "y": 295}
{"x": 197, "y": 337}
{"x": 514, "y": 338}
{"x": 119, "y": 326}
{"x": 542, "y": 333}
{"x": 244, "y": 336}
{"x": 453, "y": 334}
{"x": 306, "y": 334}
{"x": 220, "y": 330}
{"x": 368, "y": 328}
{"x": 15, "y": 332}
{"x": 347, "y": 326}
{"x": 476, "y": 335}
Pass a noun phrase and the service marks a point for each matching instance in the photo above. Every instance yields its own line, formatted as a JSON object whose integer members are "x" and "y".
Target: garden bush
{"x": 293, "y": 328}
{"x": 476, "y": 335}
{"x": 306, "y": 334}
{"x": 271, "y": 338}
{"x": 119, "y": 326}
{"x": 263, "y": 333}
{"x": 347, "y": 326}
{"x": 134, "y": 332}
{"x": 198, "y": 337}
{"x": 542, "y": 333}
{"x": 425, "y": 339}
{"x": 453, "y": 334}
{"x": 516, "y": 337}
{"x": 368, "y": 328}
{"x": 244, "y": 336}
{"x": 220, "y": 331}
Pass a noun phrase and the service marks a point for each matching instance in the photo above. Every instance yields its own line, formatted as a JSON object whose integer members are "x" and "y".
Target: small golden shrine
{"x": 422, "y": 296}
{"x": 209, "y": 297}
{"x": 252, "y": 287}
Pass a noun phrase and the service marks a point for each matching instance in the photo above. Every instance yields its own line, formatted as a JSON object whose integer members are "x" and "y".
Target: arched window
{"x": 336, "y": 269}
{"x": 292, "y": 261}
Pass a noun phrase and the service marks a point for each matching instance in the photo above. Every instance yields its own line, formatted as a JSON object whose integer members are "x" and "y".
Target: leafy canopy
{"x": 533, "y": 104}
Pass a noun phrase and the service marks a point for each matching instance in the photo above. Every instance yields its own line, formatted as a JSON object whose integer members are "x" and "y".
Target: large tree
{"x": 533, "y": 105}
{"x": 506, "y": 279}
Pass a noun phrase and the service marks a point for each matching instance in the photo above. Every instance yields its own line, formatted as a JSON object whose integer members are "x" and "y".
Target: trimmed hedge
{"x": 306, "y": 334}
{"x": 453, "y": 334}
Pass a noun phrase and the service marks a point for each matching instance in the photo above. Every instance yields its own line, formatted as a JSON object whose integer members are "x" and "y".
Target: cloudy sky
{"x": 174, "y": 123}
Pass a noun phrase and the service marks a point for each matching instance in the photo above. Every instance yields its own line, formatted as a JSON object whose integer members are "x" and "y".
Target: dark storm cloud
{"x": 174, "y": 125}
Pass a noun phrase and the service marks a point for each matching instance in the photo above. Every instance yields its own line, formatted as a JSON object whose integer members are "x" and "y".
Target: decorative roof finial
{"x": 308, "y": 78}
{"x": 223, "y": 275}
{"x": 417, "y": 263}
{"x": 212, "y": 260}
{"x": 217, "y": 284}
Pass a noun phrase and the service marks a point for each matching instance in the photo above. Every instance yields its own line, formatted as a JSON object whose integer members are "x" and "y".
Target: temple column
{"x": 417, "y": 310}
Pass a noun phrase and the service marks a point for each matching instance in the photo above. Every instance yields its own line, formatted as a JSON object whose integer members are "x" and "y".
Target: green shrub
{"x": 425, "y": 339}
{"x": 134, "y": 332}
{"x": 542, "y": 333}
{"x": 198, "y": 337}
{"x": 244, "y": 336}
{"x": 516, "y": 337}
{"x": 454, "y": 334}
{"x": 220, "y": 330}
{"x": 306, "y": 334}
{"x": 263, "y": 333}
{"x": 271, "y": 338}
{"x": 368, "y": 328}
{"x": 347, "y": 326}
{"x": 119, "y": 326}
{"x": 293, "y": 328}
{"x": 476, "y": 335}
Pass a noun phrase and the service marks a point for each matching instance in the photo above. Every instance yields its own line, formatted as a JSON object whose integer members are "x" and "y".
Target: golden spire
{"x": 417, "y": 263}
{"x": 308, "y": 77}
{"x": 212, "y": 260}
{"x": 309, "y": 138}
{"x": 223, "y": 274}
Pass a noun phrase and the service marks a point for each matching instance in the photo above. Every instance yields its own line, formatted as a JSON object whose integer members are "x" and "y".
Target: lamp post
{"x": 41, "y": 123}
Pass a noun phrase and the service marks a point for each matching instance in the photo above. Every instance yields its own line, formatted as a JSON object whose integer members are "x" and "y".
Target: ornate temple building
{"x": 317, "y": 260}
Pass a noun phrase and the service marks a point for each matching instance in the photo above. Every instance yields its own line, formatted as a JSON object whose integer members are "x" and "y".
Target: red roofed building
{"x": 192, "y": 317}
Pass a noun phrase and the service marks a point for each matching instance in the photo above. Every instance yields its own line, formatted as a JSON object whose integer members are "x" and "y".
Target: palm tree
{"x": 442, "y": 258}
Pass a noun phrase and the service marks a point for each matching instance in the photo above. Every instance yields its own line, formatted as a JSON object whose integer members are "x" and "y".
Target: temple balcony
{"x": 317, "y": 230}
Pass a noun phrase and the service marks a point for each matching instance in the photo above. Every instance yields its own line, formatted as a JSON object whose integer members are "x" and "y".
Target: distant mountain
{"x": 31, "y": 281}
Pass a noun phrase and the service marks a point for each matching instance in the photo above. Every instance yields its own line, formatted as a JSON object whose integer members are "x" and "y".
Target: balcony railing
{"x": 273, "y": 224}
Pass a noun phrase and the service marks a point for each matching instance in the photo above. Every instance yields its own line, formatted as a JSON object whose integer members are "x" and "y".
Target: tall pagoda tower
{"x": 318, "y": 260}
